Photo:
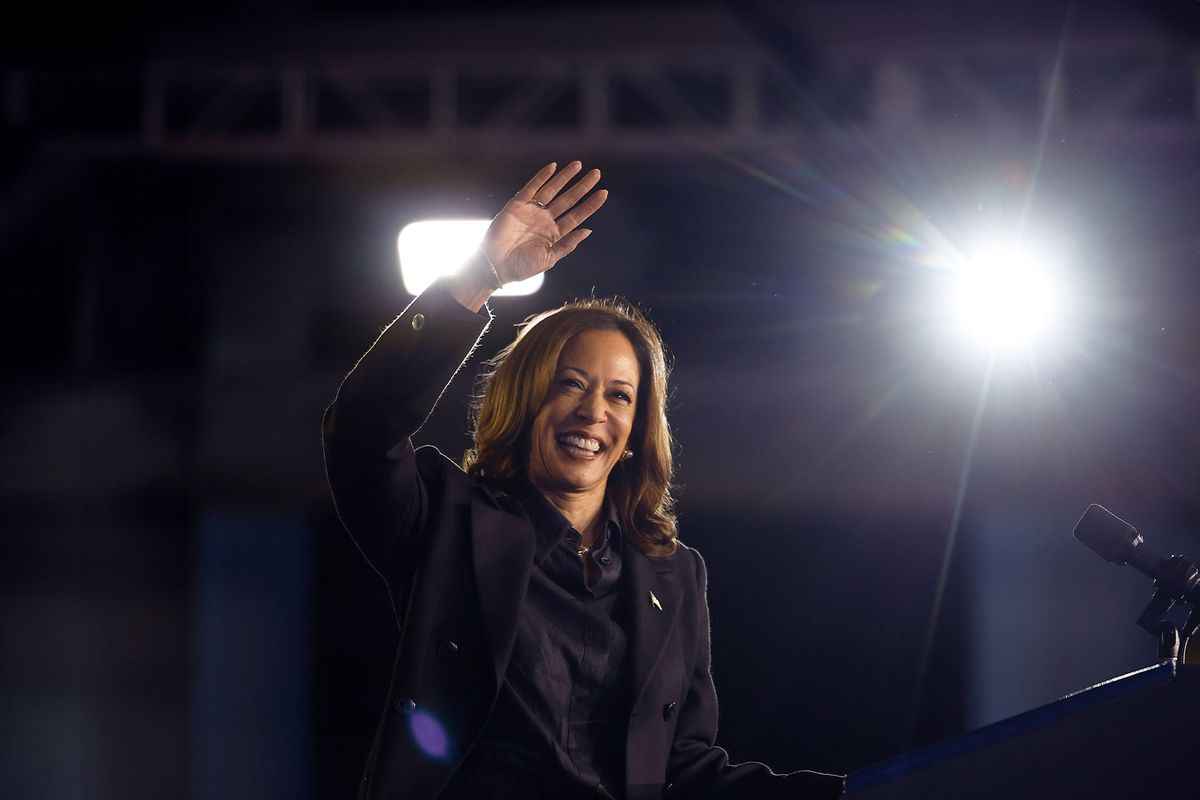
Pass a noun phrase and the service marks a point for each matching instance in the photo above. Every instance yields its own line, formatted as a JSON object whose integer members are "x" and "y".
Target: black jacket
{"x": 456, "y": 557}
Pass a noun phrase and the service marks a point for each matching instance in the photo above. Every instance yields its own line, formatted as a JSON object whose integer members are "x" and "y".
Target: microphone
{"x": 1118, "y": 542}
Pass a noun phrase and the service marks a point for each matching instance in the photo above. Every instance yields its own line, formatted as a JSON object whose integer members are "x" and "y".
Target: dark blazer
{"x": 456, "y": 557}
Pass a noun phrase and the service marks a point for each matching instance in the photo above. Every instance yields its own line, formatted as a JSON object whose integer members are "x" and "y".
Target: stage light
{"x": 432, "y": 248}
{"x": 1006, "y": 297}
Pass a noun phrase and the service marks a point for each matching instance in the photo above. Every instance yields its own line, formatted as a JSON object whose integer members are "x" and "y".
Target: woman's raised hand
{"x": 540, "y": 224}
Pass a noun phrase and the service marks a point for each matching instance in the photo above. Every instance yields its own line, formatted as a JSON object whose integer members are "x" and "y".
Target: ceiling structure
{"x": 627, "y": 81}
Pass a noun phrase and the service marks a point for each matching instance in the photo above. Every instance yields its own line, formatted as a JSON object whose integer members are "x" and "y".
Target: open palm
{"x": 540, "y": 224}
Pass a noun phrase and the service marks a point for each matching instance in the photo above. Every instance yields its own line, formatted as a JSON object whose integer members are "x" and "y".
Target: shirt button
{"x": 418, "y": 322}
{"x": 668, "y": 711}
{"x": 404, "y": 706}
{"x": 446, "y": 650}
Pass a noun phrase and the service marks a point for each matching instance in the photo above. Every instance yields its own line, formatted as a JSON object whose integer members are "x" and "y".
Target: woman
{"x": 554, "y": 634}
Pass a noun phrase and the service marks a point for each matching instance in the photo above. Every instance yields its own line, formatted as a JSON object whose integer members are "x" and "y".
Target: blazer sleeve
{"x": 697, "y": 768}
{"x": 378, "y": 489}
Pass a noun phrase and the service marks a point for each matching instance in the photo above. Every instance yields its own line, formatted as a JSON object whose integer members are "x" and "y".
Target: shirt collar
{"x": 550, "y": 526}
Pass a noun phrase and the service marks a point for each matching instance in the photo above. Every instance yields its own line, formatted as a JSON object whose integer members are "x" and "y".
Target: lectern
{"x": 1133, "y": 737}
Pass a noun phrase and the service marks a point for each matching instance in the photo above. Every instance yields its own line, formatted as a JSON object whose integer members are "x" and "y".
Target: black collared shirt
{"x": 558, "y": 728}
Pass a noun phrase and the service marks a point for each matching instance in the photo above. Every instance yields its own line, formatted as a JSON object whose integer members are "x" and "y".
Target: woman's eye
{"x": 624, "y": 398}
{"x": 572, "y": 383}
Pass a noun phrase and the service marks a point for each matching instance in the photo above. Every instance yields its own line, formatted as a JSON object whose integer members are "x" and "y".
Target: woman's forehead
{"x": 601, "y": 350}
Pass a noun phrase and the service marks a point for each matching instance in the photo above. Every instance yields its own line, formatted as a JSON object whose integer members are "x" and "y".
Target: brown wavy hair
{"x": 516, "y": 383}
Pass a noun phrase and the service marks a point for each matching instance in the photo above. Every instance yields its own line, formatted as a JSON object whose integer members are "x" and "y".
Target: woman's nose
{"x": 591, "y": 408}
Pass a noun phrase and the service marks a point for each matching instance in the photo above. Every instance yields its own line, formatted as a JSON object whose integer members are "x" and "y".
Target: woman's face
{"x": 583, "y": 427}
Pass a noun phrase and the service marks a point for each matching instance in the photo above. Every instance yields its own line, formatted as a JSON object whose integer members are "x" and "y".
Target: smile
{"x": 583, "y": 446}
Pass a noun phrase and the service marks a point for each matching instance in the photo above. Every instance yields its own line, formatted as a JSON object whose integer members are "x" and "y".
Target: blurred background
{"x": 199, "y": 207}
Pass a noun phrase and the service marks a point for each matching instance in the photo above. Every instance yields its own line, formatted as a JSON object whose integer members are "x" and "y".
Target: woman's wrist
{"x": 475, "y": 282}
{"x": 487, "y": 262}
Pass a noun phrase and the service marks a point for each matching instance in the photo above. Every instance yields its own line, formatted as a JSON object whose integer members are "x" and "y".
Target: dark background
{"x": 198, "y": 216}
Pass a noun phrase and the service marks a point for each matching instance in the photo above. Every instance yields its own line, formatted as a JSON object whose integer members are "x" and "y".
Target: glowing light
{"x": 429, "y": 734}
{"x": 432, "y": 248}
{"x": 1006, "y": 297}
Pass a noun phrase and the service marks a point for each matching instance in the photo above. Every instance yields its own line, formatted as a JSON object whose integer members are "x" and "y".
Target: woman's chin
{"x": 575, "y": 477}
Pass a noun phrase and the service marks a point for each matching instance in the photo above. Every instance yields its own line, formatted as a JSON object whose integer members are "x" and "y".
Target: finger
{"x": 577, "y": 190}
{"x": 536, "y": 182}
{"x": 564, "y": 246}
{"x": 576, "y": 216}
{"x": 552, "y": 187}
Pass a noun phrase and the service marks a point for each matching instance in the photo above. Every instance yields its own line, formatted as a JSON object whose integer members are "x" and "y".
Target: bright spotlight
{"x": 1006, "y": 297}
{"x": 432, "y": 248}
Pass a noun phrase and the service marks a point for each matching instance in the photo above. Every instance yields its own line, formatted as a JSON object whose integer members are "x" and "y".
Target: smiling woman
{"x": 555, "y": 632}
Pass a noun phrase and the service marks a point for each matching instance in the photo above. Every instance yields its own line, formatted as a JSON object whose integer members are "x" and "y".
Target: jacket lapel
{"x": 655, "y": 598}
{"x": 502, "y": 549}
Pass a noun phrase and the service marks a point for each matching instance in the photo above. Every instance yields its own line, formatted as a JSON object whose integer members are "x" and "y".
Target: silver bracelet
{"x": 495, "y": 274}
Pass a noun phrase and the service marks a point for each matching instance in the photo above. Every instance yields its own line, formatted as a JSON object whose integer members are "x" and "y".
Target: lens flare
{"x": 429, "y": 734}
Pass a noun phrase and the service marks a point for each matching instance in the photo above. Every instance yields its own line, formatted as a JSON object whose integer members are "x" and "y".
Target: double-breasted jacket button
{"x": 446, "y": 649}
{"x": 418, "y": 322}
{"x": 404, "y": 706}
{"x": 669, "y": 710}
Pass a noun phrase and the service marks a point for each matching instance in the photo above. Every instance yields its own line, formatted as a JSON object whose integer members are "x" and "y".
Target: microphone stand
{"x": 1172, "y": 642}
{"x": 1189, "y": 630}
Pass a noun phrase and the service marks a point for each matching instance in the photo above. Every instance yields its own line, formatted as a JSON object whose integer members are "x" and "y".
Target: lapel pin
{"x": 654, "y": 601}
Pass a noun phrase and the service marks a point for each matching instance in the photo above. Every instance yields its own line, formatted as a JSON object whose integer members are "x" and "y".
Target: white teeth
{"x": 591, "y": 445}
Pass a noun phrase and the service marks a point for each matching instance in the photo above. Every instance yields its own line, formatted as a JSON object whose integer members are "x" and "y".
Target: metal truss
{"x": 634, "y": 99}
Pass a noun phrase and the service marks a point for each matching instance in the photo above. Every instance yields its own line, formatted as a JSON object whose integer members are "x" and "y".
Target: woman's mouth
{"x": 579, "y": 446}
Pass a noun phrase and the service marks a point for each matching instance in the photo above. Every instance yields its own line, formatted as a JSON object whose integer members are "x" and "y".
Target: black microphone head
{"x": 1106, "y": 533}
